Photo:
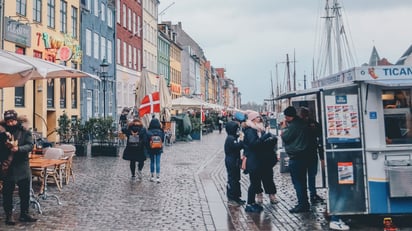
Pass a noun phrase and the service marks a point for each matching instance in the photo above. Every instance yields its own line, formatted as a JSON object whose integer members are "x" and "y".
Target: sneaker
{"x": 259, "y": 198}
{"x": 338, "y": 225}
{"x": 299, "y": 209}
{"x": 253, "y": 208}
{"x": 234, "y": 203}
{"x": 240, "y": 201}
{"x": 152, "y": 179}
{"x": 133, "y": 177}
{"x": 158, "y": 179}
{"x": 25, "y": 217}
{"x": 316, "y": 199}
{"x": 139, "y": 174}
{"x": 273, "y": 199}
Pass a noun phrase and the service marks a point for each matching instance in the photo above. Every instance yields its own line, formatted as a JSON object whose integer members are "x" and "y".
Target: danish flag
{"x": 149, "y": 104}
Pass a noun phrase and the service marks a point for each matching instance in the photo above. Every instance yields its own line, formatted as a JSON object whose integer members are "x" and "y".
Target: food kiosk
{"x": 366, "y": 120}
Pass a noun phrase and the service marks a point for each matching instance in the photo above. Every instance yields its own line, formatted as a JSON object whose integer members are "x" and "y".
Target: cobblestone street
{"x": 191, "y": 196}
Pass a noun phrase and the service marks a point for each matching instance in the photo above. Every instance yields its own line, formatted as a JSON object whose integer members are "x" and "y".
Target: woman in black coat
{"x": 253, "y": 140}
{"x": 135, "y": 146}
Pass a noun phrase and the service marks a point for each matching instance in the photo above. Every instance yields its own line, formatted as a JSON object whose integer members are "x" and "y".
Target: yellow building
{"x": 51, "y": 32}
{"x": 175, "y": 71}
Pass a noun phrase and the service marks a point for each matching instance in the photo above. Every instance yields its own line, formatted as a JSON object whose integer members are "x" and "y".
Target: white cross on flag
{"x": 150, "y": 104}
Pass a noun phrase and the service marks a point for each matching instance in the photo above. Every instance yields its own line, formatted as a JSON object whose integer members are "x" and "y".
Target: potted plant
{"x": 102, "y": 134}
{"x": 72, "y": 132}
{"x": 63, "y": 129}
{"x": 79, "y": 135}
{"x": 196, "y": 126}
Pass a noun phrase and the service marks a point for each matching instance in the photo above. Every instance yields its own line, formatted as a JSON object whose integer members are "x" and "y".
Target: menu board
{"x": 342, "y": 118}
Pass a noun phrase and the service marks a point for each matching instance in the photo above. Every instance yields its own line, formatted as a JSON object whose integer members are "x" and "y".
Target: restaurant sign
{"x": 17, "y": 32}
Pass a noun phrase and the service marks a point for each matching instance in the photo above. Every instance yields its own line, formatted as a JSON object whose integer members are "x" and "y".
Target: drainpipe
{"x": 2, "y": 46}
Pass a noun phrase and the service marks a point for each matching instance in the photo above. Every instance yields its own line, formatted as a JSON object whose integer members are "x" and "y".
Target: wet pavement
{"x": 191, "y": 196}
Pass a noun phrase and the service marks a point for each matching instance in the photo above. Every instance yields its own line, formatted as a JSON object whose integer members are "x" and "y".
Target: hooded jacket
{"x": 232, "y": 145}
{"x": 19, "y": 168}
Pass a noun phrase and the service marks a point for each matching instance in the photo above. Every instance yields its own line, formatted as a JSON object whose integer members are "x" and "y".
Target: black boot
{"x": 10, "y": 219}
{"x": 25, "y": 217}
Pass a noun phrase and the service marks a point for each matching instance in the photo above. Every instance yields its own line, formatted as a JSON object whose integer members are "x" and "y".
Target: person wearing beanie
{"x": 295, "y": 136}
{"x": 16, "y": 142}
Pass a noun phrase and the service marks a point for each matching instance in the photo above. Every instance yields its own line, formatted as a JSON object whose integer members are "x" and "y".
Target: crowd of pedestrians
{"x": 251, "y": 147}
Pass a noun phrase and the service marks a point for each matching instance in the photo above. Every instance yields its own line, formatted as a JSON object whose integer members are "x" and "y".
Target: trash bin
{"x": 284, "y": 161}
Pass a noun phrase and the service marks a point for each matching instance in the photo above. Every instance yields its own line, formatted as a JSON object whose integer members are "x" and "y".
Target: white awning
{"x": 391, "y": 83}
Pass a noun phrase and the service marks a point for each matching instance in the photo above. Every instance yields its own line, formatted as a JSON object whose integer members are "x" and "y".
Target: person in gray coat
{"x": 15, "y": 144}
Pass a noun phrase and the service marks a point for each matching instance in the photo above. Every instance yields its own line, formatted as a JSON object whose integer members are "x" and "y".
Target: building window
{"x": 109, "y": 51}
{"x": 88, "y": 42}
{"x": 118, "y": 48}
{"x": 124, "y": 16}
{"x": 21, "y": 7}
{"x": 63, "y": 16}
{"x": 51, "y": 7}
{"x": 134, "y": 29}
{"x": 96, "y": 8}
{"x": 118, "y": 14}
{"x": 129, "y": 19}
{"x": 124, "y": 54}
{"x": 103, "y": 48}
{"x": 103, "y": 13}
{"x": 110, "y": 18}
{"x": 63, "y": 94}
{"x": 96, "y": 46}
{"x": 129, "y": 56}
{"x": 37, "y": 10}
{"x": 74, "y": 22}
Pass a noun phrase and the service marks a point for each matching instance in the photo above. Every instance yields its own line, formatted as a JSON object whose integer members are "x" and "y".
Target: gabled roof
{"x": 374, "y": 59}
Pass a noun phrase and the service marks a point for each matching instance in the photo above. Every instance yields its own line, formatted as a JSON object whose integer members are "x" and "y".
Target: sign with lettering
{"x": 17, "y": 32}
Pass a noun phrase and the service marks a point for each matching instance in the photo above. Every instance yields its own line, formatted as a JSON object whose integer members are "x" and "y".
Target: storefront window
{"x": 397, "y": 116}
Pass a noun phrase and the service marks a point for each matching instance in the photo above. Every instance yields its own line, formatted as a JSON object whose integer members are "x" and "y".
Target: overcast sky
{"x": 249, "y": 38}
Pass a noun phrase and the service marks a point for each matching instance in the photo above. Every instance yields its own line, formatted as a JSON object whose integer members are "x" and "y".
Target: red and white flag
{"x": 149, "y": 104}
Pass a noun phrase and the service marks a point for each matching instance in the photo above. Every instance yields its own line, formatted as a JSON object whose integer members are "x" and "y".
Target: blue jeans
{"x": 312, "y": 172}
{"x": 297, "y": 169}
{"x": 155, "y": 160}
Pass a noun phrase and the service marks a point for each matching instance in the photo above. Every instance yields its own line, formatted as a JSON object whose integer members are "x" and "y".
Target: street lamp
{"x": 103, "y": 76}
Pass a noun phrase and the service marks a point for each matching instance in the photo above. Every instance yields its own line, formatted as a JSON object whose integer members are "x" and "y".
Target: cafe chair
{"x": 67, "y": 169}
{"x": 52, "y": 172}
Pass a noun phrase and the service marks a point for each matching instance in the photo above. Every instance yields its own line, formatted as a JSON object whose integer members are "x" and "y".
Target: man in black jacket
{"x": 15, "y": 144}
{"x": 296, "y": 141}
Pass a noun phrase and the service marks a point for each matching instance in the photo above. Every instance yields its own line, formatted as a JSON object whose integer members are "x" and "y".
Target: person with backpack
{"x": 155, "y": 139}
{"x": 135, "y": 148}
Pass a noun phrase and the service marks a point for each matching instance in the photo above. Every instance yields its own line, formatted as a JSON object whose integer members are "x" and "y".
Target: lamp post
{"x": 103, "y": 76}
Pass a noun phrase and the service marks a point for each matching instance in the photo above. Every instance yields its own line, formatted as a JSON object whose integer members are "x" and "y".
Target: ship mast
{"x": 335, "y": 52}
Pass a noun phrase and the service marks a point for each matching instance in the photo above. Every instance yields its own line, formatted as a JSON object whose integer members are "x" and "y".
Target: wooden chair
{"x": 69, "y": 152}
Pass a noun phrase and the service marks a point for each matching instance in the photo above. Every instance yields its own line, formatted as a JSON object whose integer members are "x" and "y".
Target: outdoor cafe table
{"x": 44, "y": 164}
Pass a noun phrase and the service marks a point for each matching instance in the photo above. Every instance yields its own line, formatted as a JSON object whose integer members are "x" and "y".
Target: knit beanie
{"x": 290, "y": 111}
{"x": 10, "y": 115}
{"x": 252, "y": 115}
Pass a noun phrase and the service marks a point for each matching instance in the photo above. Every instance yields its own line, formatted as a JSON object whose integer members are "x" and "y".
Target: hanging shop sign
{"x": 17, "y": 32}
